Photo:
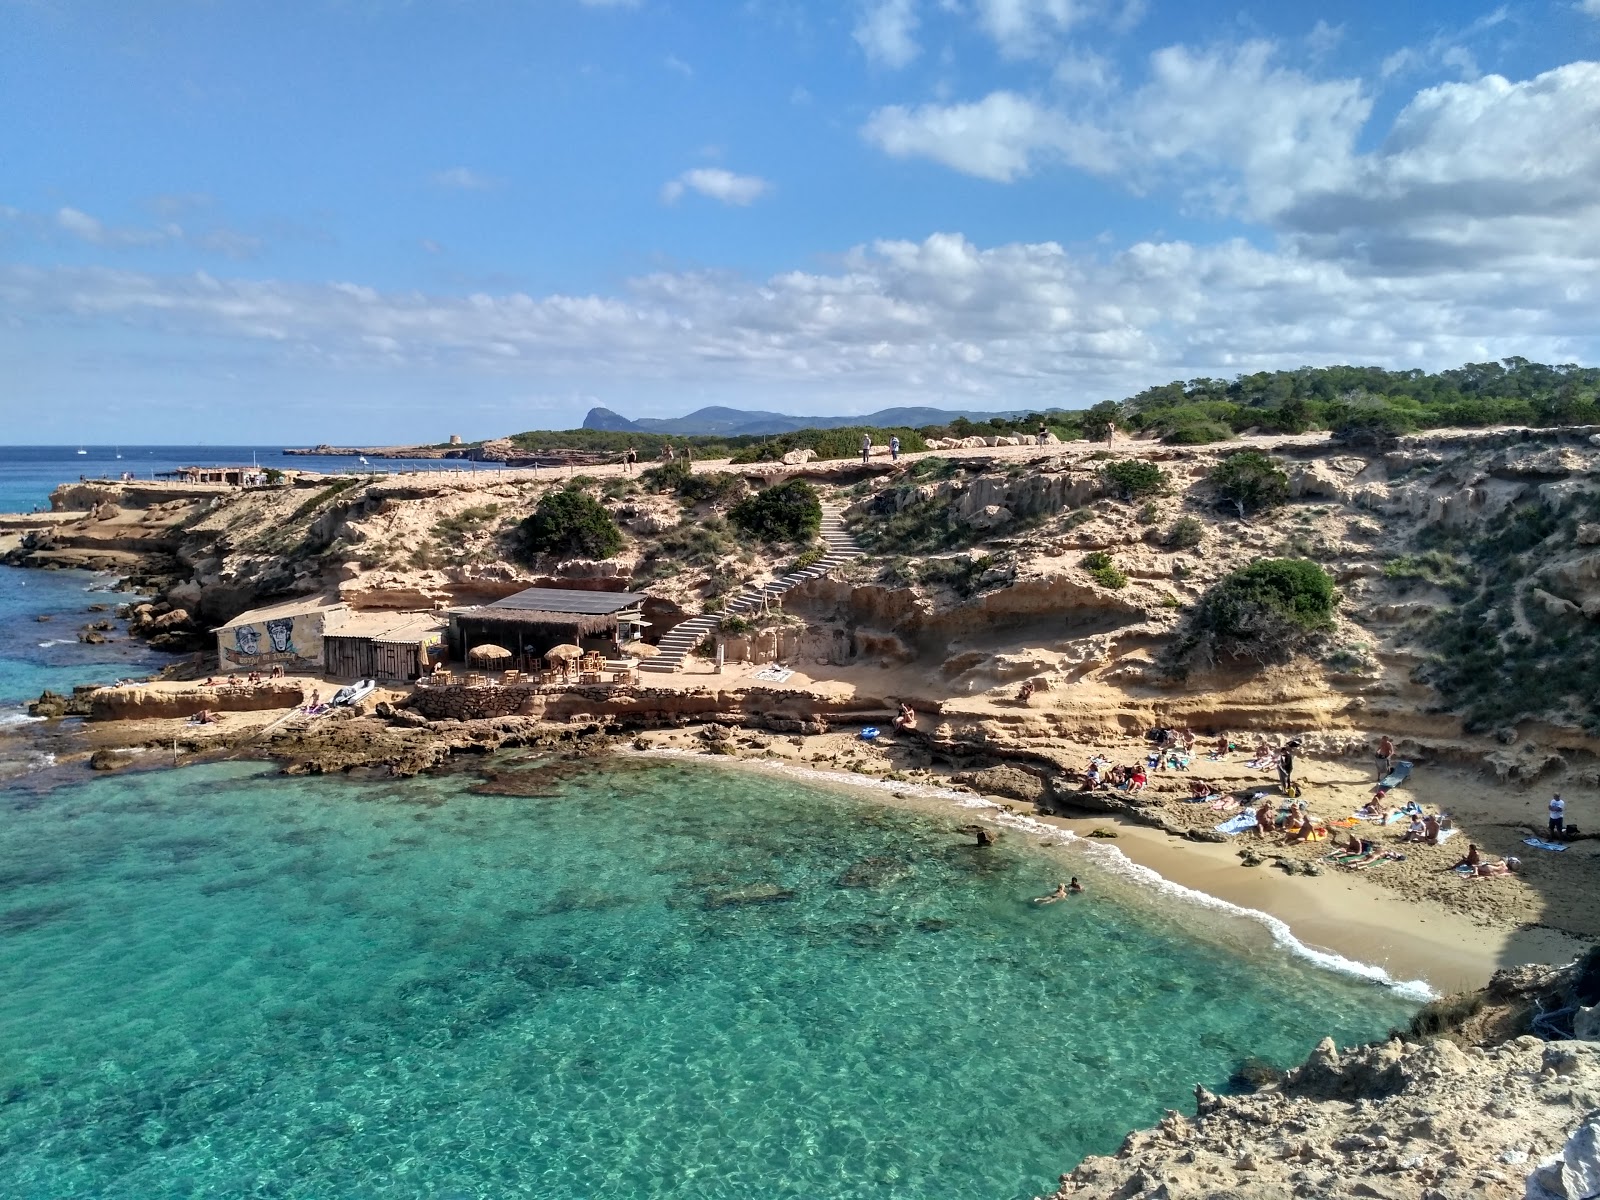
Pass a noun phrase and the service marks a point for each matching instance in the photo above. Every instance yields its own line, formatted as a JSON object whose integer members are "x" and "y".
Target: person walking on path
{"x": 1040, "y": 436}
{"x": 688, "y": 452}
{"x": 866, "y": 446}
{"x": 629, "y": 457}
{"x": 1385, "y": 756}
{"x": 666, "y": 451}
{"x": 894, "y": 448}
{"x": 1558, "y": 815}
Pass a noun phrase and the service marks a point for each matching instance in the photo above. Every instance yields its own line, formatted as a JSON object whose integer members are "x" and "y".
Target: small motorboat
{"x": 355, "y": 693}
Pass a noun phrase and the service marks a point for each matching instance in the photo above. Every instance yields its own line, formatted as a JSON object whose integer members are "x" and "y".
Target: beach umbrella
{"x": 565, "y": 651}
{"x": 643, "y": 650}
{"x": 488, "y": 654}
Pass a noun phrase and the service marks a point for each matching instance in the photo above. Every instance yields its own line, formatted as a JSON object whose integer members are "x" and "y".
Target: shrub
{"x": 1197, "y": 433}
{"x": 328, "y": 493}
{"x": 1372, "y": 426}
{"x": 677, "y": 477}
{"x": 1103, "y": 570}
{"x": 736, "y": 625}
{"x": 570, "y": 524}
{"x": 274, "y": 476}
{"x": 788, "y": 512}
{"x": 1133, "y": 479}
{"x": 808, "y": 558}
{"x": 1186, "y": 533}
{"x": 1266, "y": 611}
{"x": 1251, "y": 481}
{"x": 1149, "y": 514}
{"x": 1431, "y": 566}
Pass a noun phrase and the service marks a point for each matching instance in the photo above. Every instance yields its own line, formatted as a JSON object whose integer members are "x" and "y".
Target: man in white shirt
{"x": 1558, "y": 815}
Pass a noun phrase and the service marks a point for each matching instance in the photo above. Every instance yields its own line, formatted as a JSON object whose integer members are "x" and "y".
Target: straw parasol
{"x": 488, "y": 653}
{"x": 643, "y": 650}
{"x": 565, "y": 651}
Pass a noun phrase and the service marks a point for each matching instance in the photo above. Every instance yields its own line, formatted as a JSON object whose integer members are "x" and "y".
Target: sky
{"x": 379, "y": 221}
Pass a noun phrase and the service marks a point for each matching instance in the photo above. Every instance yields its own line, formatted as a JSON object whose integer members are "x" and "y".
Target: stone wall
{"x": 472, "y": 703}
{"x": 136, "y": 703}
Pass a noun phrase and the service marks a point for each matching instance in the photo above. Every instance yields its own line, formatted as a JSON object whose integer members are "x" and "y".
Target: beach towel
{"x": 869, "y": 733}
{"x": 1238, "y": 824}
{"x": 1445, "y": 835}
{"x": 773, "y": 674}
{"x": 1541, "y": 844}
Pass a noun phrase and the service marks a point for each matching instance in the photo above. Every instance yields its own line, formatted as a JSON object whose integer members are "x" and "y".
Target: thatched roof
{"x": 567, "y": 624}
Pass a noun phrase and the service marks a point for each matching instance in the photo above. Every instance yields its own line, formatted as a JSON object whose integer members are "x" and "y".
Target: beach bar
{"x": 533, "y": 621}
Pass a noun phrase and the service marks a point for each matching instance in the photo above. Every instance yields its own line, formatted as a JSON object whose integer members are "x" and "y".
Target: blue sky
{"x": 362, "y": 220}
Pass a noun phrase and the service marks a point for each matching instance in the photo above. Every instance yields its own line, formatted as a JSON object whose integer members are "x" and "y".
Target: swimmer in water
{"x": 1059, "y": 894}
{"x": 1075, "y": 887}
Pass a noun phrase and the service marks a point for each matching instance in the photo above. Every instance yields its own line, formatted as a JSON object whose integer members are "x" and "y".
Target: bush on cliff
{"x": 1103, "y": 570}
{"x": 1250, "y": 481}
{"x": 789, "y": 512}
{"x": 569, "y": 524}
{"x": 1267, "y": 611}
{"x": 1134, "y": 479}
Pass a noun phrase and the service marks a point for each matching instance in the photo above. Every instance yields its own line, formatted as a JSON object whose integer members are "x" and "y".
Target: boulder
{"x": 795, "y": 458}
{"x": 991, "y": 516}
{"x": 1010, "y": 782}
{"x": 1575, "y": 1173}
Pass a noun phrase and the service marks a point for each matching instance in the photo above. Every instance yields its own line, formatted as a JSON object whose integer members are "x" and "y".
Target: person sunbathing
{"x": 1025, "y": 692}
{"x": 1487, "y": 870}
{"x": 1417, "y": 831}
{"x": 1118, "y": 777}
{"x": 1199, "y": 789}
{"x": 1373, "y": 811}
{"x": 1264, "y": 819}
{"x": 907, "y": 718}
{"x": 1307, "y": 828}
{"x": 1137, "y": 780}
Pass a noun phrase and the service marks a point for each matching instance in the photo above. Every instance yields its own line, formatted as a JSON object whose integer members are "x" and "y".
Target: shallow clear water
{"x": 35, "y": 655}
{"x": 217, "y": 982}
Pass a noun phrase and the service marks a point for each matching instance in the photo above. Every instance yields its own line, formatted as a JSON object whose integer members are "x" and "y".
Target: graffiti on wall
{"x": 279, "y": 640}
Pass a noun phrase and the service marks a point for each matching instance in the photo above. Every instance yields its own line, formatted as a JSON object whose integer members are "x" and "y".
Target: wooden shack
{"x": 288, "y": 634}
{"x": 391, "y": 647}
{"x": 531, "y": 622}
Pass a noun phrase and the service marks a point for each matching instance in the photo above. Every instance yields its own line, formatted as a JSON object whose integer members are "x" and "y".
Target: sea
{"x": 626, "y": 978}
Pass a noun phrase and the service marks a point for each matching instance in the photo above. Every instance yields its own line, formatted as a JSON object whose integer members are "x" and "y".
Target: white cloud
{"x": 1592, "y": 7}
{"x": 886, "y": 32}
{"x": 1017, "y": 324}
{"x": 718, "y": 184}
{"x": 1197, "y": 112}
{"x": 1084, "y": 69}
{"x": 80, "y": 224}
{"x": 90, "y": 229}
{"x": 995, "y": 138}
{"x": 673, "y": 63}
{"x": 1023, "y": 27}
{"x": 463, "y": 178}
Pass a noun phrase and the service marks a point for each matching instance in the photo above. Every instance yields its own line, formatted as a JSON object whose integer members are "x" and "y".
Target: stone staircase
{"x": 681, "y": 639}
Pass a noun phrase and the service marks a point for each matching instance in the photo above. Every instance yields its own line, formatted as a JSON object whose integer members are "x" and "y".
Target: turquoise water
{"x": 217, "y": 982}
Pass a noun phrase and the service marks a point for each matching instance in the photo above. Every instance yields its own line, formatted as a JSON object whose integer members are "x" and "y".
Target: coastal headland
{"x": 1030, "y": 607}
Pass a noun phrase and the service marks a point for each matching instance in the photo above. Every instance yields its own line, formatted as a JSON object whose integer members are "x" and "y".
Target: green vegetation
{"x": 466, "y": 522}
{"x": 932, "y": 467}
{"x": 604, "y": 441}
{"x": 569, "y": 524}
{"x": 827, "y": 443}
{"x": 707, "y": 487}
{"x": 961, "y": 573}
{"x": 328, "y": 493}
{"x": 695, "y": 544}
{"x": 274, "y": 476}
{"x": 736, "y": 625}
{"x": 787, "y": 512}
{"x": 807, "y": 558}
{"x": 894, "y": 525}
{"x": 1103, "y": 570}
{"x": 1267, "y": 611}
{"x": 1134, "y": 479}
{"x": 1369, "y": 403}
{"x": 1432, "y": 566}
{"x": 1498, "y": 654}
{"x": 1251, "y": 481}
{"x": 1186, "y": 533}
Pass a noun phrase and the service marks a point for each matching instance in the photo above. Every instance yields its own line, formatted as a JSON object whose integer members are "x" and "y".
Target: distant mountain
{"x": 732, "y": 422}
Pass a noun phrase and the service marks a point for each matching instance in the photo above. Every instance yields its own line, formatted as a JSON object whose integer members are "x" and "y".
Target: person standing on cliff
{"x": 1558, "y": 815}
{"x": 688, "y": 453}
{"x": 629, "y": 457}
{"x": 1385, "y": 756}
{"x": 894, "y": 448}
{"x": 866, "y": 446}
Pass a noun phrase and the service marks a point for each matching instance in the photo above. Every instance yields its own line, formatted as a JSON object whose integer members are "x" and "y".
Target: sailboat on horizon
{"x": 81, "y": 450}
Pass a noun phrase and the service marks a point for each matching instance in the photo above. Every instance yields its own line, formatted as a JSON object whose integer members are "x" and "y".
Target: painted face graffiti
{"x": 278, "y": 632}
{"x": 247, "y": 640}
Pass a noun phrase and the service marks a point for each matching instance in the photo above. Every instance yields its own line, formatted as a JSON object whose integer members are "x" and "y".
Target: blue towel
{"x": 1238, "y": 824}
{"x": 870, "y": 732}
{"x": 1541, "y": 844}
